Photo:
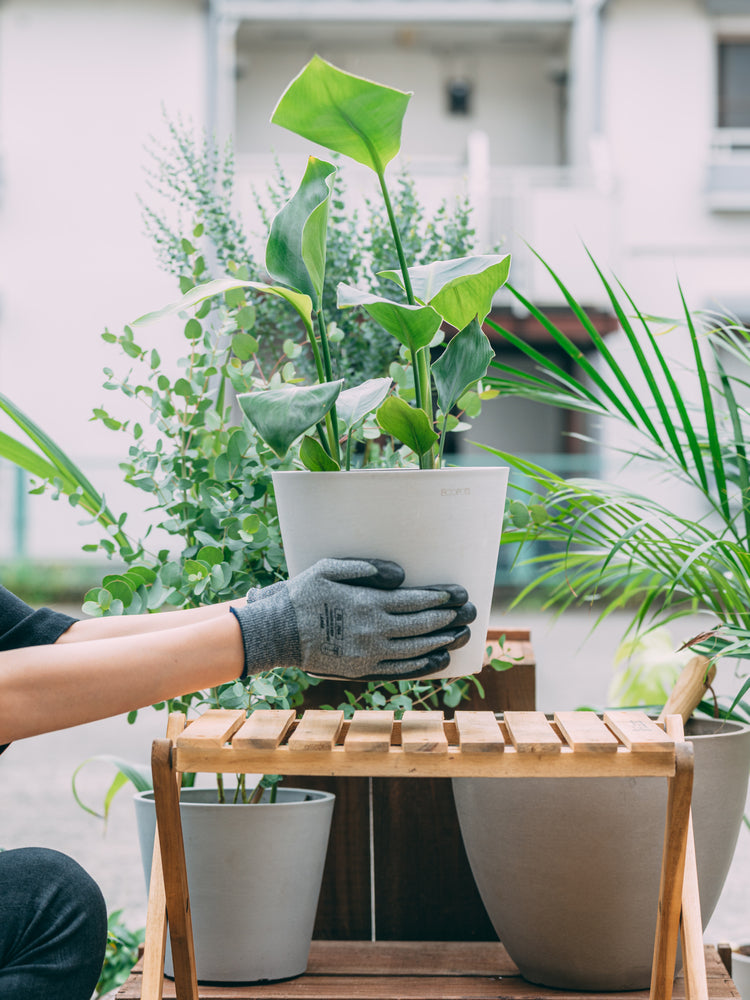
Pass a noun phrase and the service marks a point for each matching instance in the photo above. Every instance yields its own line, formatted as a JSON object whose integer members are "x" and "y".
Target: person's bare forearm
{"x": 121, "y": 625}
{"x": 45, "y": 688}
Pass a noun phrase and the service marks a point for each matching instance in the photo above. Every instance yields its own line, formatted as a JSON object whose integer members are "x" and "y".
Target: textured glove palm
{"x": 349, "y": 618}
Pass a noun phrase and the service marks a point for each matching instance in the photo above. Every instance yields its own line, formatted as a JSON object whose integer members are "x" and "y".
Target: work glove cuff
{"x": 269, "y": 633}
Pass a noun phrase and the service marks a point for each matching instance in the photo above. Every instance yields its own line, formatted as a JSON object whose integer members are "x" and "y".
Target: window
{"x": 459, "y": 94}
{"x": 734, "y": 84}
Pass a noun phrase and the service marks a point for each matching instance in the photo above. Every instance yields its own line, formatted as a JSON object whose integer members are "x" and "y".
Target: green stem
{"x": 220, "y": 787}
{"x": 420, "y": 358}
{"x": 316, "y": 354}
{"x": 334, "y": 422}
{"x": 319, "y": 427}
{"x": 349, "y": 449}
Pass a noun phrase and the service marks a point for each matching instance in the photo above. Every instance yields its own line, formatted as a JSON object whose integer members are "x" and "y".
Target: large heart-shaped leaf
{"x": 458, "y": 289}
{"x": 296, "y": 247}
{"x": 407, "y": 424}
{"x": 354, "y": 404}
{"x": 348, "y": 114}
{"x": 414, "y": 326}
{"x": 281, "y": 415}
{"x": 302, "y": 303}
{"x": 463, "y": 362}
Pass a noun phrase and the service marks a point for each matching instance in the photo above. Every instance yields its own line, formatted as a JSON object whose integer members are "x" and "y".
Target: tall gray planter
{"x": 254, "y": 875}
{"x": 568, "y": 869}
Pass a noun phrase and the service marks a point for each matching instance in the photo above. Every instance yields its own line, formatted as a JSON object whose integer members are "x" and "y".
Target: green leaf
{"x": 27, "y": 459}
{"x": 519, "y": 514}
{"x": 138, "y": 774}
{"x": 193, "y": 329}
{"x": 314, "y": 456}
{"x": 244, "y": 346}
{"x": 354, "y": 404}
{"x": 280, "y": 416}
{"x": 459, "y": 289}
{"x": 211, "y": 554}
{"x": 349, "y": 114}
{"x": 413, "y": 326}
{"x": 296, "y": 247}
{"x": 302, "y": 303}
{"x": 463, "y": 362}
{"x": 407, "y": 424}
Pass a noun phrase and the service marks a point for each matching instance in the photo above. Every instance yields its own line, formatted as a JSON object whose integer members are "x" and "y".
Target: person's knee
{"x": 56, "y": 918}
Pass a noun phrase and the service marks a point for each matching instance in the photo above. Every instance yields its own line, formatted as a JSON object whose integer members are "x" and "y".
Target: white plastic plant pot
{"x": 254, "y": 876}
{"x": 441, "y": 525}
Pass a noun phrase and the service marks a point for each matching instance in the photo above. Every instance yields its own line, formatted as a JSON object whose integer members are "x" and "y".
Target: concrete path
{"x": 39, "y": 809}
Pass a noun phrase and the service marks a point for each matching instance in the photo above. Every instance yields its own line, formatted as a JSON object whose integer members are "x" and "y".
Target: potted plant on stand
{"x": 330, "y": 502}
{"x": 216, "y": 485}
{"x": 616, "y": 548}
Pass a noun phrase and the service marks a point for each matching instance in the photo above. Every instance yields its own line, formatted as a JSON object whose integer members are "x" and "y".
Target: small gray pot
{"x": 254, "y": 875}
{"x": 568, "y": 869}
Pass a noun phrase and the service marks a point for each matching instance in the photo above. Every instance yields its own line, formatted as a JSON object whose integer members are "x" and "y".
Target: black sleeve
{"x": 21, "y": 625}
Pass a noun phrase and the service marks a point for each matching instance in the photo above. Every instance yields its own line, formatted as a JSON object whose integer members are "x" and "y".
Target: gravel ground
{"x": 39, "y": 809}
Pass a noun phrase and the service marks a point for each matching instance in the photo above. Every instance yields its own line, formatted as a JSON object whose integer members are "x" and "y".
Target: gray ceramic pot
{"x": 568, "y": 869}
{"x": 254, "y": 875}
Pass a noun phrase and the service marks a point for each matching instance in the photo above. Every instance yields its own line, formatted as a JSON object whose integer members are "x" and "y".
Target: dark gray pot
{"x": 568, "y": 869}
{"x": 254, "y": 875}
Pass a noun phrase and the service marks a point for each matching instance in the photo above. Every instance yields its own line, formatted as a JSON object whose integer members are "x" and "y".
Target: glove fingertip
{"x": 388, "y": 575}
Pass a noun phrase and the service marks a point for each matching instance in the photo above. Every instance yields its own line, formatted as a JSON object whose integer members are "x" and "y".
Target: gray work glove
{"x": 351, "y": 619}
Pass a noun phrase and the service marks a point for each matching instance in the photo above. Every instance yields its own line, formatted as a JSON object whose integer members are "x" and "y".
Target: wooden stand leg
{"x": 167, "y": 799}
{"x": 693, "y": 954}
{"x": 155, "y": 944}
{"x": 672, "y": 869}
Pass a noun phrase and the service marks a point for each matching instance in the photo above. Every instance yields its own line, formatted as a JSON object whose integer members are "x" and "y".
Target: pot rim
{"x": 315, "y": 796}
{"x": 385, "y": 472}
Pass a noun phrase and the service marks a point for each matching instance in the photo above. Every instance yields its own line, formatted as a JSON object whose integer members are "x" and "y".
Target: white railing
{"x": 728, "y": 175}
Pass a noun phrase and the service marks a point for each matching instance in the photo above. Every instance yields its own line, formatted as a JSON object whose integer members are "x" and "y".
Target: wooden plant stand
{"x": 422, "y": 745}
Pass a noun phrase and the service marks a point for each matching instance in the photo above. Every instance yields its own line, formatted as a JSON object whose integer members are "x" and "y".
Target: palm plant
{"x": 611, "y": 544}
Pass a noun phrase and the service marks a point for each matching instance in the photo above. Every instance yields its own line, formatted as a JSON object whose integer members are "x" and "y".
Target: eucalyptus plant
{"x": 360, "y": 119}
{"x": 611, "y": 545}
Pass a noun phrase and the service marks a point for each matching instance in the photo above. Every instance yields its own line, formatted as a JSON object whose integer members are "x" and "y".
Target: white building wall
{"x": 659, "y": 89}
{"x": 82, "y": 85}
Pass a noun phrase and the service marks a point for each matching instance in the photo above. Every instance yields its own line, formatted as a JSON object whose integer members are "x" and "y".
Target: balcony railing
{"x": 728, "y": 177}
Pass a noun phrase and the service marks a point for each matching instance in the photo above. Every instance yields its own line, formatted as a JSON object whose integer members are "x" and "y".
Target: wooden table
{"x": 422, "y": 745}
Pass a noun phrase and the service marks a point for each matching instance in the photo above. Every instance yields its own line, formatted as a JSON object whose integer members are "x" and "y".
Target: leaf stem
{"x": 420, "y": 358}
{"x": 333, "y": 423}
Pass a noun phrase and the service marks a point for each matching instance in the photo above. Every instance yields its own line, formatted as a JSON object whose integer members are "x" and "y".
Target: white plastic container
{"x": 441, "y": 525}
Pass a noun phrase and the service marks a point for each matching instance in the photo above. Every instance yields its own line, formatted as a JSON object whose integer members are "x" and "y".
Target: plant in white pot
{"x": 440, "y": 524}
{"x": 613, "y": 548}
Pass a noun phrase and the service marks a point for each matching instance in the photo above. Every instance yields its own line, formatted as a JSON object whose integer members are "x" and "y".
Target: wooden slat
{"x": 212, "y": 729}
{"x": 264, "y": 730}
{"x": 369, "y": 732}
{"x": 531, "y": 733}
{"x": 422, "y": 732}
{"x": 586, "y": 732}
{"x": 318, "y": 730}
{"x": 638, "y": 732}
{"x": 478, "y": 732}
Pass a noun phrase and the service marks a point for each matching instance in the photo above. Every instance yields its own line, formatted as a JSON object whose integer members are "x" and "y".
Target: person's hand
{"x": 351, "y": 619}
